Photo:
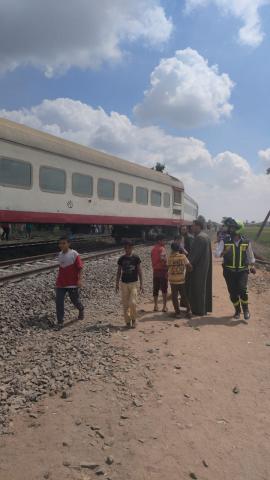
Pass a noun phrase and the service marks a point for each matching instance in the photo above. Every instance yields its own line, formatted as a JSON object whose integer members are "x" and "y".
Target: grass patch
{"x": 262, "y": 246}
{"x": 251, "y": 232}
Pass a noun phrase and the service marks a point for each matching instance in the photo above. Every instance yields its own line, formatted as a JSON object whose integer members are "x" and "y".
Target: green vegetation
{"x": 252, "y": 230}
{"x": 262, "y": 247}
{"x": 159, "y": 167}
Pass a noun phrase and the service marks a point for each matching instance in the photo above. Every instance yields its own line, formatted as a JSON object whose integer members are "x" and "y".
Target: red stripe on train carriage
{"x": 12, "y": 216}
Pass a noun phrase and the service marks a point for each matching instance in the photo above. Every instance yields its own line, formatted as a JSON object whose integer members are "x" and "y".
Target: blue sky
{"x": 119, "y": 84}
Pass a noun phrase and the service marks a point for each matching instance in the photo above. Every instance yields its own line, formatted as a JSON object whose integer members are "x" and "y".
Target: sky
{"x": 182, "y": 82}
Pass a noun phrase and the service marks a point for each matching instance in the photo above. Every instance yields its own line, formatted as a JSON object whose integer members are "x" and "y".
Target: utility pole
{"x": 262, "y": 226}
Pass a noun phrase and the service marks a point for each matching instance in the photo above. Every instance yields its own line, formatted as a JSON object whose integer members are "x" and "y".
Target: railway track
{"x": 17, "y": 250}
{"x": 19, "y": 269}
{"x": 15, "y": 270}
{"x": 53, "y": 241}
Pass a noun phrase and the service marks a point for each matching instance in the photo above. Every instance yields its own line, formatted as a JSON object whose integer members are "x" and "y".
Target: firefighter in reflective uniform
{"x": 238, "y": 261}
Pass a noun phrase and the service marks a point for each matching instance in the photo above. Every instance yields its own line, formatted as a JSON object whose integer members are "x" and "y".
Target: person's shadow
{"x": 207, "y": 320}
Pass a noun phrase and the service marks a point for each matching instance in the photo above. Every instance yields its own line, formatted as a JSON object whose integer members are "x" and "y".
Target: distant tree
{"x": 268, "y": 171}
{"x": 159, "y": 167}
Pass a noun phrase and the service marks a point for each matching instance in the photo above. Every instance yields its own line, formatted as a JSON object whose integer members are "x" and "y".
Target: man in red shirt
{"x": 68, "y": 280}
{"x": 160, "y": 272}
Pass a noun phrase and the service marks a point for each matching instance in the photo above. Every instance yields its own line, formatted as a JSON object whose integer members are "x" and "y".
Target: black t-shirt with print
{"x": 129, "y": 265}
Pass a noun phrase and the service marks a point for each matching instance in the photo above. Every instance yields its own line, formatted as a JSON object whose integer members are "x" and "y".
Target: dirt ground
{"x": 170, "y": 414}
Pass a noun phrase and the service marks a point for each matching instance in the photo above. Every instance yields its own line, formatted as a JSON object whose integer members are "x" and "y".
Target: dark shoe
{"x": 246, "y": 314}
{"x": 81, "y": 315}
{"x": 237, "y": 313}
{"x": 58, "y": 327}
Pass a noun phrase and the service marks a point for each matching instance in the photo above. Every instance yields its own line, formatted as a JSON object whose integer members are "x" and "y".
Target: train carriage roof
{"x": 29, "y": 137}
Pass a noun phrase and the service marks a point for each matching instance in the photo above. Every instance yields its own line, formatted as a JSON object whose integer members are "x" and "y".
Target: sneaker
{"x": 81, "y": 315}
{"x": 246, "y": 314}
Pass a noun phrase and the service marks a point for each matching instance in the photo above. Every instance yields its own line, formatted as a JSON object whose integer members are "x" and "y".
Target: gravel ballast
{"x": 35, "y": 360}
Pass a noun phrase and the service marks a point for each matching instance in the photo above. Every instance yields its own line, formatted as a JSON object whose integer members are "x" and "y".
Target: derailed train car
{"x": 46, "y": 179}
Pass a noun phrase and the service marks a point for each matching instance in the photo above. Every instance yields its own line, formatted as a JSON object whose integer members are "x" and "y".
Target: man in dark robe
{"x": 201, "y": 276}
{"x": 187, "y": 238}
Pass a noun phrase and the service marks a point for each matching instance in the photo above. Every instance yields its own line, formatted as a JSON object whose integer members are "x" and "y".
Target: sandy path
{"x": 171, "y": 413}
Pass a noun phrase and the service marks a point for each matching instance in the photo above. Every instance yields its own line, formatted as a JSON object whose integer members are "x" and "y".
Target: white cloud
{"x": 186, "y": 92}
{"x": 231, "y": 170}
{"x": 224, "y": 185}
{"x": 264, "y": 155}
{"x": 247, "y": 11}
{"x": 56, "y": 35}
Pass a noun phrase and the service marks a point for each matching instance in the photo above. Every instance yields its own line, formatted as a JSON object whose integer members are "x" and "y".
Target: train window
{"x": 190, "y": 210}
{"x": 166, "y": 200}
{"x": 52, "y": 180}
{"x": 177, "y": 196}
{"x": 15, "y": 173}
{"x": 125, "y": 192}
{"x": 105, "y": 188}
{"x": 142, "y": 195}
{"x": 82, "y": 185}
{"x": 155, "y": 198}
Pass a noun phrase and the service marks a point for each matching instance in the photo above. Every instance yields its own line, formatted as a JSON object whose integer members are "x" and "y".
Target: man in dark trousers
{"x": 6, "y": 231}
{"x": 201, "y": 276}
{"x": 238, "y": 260}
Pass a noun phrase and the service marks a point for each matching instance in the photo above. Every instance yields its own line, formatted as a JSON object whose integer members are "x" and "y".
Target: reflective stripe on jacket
{"x": 235, "y": 256}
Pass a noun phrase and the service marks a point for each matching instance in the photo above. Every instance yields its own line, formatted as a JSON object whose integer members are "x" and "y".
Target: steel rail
{"x": 262, "y": 262}
{"x": 36, "y": 243}
{"x": 31, "y": 258}
{"x": 28, "y": 273}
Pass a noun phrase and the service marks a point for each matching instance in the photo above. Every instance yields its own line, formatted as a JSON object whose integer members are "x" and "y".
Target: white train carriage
{"x": 191, "y": 209}
{"x": 45, "y": 179}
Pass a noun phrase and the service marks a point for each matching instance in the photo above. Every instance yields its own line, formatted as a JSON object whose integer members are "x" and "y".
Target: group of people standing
{"x": 24, "y": 228}
{"x": 188, "y": 270}
{"x": 5, "y": 231}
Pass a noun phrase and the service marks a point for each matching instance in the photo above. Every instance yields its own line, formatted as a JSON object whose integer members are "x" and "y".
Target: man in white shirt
{"x": 238, "y": 260}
